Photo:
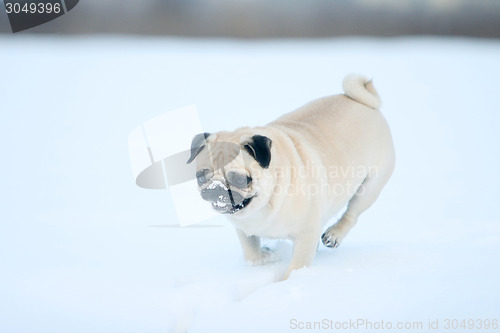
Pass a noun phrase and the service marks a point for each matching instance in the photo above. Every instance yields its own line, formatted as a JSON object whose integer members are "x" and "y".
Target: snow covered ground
{"x": 82, "y": 249}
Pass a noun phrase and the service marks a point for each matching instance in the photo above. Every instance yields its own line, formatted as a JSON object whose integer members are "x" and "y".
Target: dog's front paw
{"x": 266, "y": 256}
{"x": 332, "y": 237}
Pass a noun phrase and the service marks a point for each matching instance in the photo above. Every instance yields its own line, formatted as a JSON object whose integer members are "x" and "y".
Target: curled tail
{"x": 360, "y": 89}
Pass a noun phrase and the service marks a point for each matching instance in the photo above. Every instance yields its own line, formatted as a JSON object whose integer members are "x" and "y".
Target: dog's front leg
{"x": 304, "y": 250}
{"x": 252, "y": 250}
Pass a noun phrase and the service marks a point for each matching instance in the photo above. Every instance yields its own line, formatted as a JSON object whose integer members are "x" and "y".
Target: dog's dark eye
{"x": 203, "y": 176}
{"x": 238, "y": 180}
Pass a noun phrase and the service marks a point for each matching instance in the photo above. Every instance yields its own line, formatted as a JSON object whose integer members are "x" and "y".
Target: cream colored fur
{"x": 345, "y": 133}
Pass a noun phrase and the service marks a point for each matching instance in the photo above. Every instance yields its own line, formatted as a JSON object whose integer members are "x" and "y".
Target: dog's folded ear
{"x": 259, "y": 147}
{"x": 197, "y": 145}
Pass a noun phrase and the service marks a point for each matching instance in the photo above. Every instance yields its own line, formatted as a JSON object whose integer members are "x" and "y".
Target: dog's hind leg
{"x": 365, "y": 196}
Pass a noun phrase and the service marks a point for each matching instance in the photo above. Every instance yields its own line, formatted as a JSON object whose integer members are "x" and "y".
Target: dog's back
{"x": 347, "y": 125}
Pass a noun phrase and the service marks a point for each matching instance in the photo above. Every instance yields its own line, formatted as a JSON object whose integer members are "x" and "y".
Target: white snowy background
{"x": 83, "y": 249}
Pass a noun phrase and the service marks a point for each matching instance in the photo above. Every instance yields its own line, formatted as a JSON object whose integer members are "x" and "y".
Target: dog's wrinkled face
{"x": 229, "y": 193}
{"x": 231, "y": 170}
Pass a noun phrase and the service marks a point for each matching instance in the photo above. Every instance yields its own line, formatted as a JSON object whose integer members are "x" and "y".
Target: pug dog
{"x": 289, "y": 178}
